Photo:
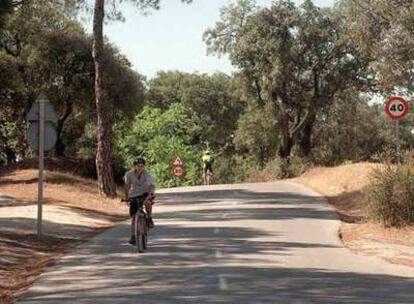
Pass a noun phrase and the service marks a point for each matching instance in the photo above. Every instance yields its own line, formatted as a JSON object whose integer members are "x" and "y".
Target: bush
{"x": 283, "y": 168}
{"x": 391, "y": 193}
{"x": 230, "y": 169}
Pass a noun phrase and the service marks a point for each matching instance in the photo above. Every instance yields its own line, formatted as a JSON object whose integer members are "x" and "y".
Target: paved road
{"x": 258, "y": 243}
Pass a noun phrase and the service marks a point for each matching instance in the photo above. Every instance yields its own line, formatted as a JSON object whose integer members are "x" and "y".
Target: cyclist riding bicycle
{"x": 207, "y": 161}
{"x": 140, "y": 186}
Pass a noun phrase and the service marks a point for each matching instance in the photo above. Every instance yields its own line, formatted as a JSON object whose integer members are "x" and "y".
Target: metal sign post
{"x": 41, "y": 136}
{"x": 397, "y": 131}
{"x": 396, "y": 108}
{"x": 41, "y": 164}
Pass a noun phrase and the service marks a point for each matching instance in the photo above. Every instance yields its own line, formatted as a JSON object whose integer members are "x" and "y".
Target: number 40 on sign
{"x": 396, "y": 107}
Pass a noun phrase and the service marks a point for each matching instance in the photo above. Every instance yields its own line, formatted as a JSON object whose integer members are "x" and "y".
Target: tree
{"x": 255, "y": 132}
{"x": 12, "y": 110}
{"x": 160, "y": 136}
{"x": 106, "y": 182}
{"x": 351, "y": 130}
{"x": 66, "y": 67}
{"x": 166, "y": 88}
{"x": 53, "y": 54}
{"x": 211, "y": 100}
{"x": 296, "y": 58}
{"x": 383, "y": 30}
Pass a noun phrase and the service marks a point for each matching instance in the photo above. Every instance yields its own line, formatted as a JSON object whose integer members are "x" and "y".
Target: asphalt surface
{"x": 248, "y": 243}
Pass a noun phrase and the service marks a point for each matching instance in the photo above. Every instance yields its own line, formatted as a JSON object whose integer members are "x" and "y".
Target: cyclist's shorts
{"x": 136, "y": 203}
{"x": 207, "y": 166}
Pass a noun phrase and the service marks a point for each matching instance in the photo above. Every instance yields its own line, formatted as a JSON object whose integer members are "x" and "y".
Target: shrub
{"x": 391, "y": 192}
{"x": 285, "y": 168}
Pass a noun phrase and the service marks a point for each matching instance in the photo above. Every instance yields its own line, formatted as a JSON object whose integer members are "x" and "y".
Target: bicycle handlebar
{"x": 129, "y": 200}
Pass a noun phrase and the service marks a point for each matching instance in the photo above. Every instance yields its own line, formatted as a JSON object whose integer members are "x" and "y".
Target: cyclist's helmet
{"x": 139, "y": 161}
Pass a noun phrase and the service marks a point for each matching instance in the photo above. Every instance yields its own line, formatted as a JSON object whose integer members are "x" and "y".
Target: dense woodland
{"x": 309, "y": 89}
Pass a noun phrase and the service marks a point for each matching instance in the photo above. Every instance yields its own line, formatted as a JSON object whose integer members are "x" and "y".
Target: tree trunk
{"x": 287, "y": 142}
{"x": 286, "y": 146}
{"x": 106, "y": 183}
{"x": 11, "y": 156}
{"x": 60, "y": 146}
{"x": 306, "y": 136}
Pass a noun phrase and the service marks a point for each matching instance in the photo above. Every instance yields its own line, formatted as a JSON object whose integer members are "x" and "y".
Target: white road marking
{"x": 219, "y": 254}
{"x": 222, "y": 283}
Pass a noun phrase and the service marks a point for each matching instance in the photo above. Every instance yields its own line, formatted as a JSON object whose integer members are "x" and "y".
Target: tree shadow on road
{"x": 205, "y": 197}
{"x": 182, "y": 267}
{"x": 249, "y": 214}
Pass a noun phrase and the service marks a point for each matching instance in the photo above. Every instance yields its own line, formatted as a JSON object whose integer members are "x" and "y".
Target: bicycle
{"x": 141, "y": 224}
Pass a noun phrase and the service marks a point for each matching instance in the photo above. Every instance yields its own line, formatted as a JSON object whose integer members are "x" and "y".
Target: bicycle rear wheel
{"x": 144, "y": 232}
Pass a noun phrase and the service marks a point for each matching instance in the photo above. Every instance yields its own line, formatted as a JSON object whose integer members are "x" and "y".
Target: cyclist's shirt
{"x": 206, "y": 158}
{"x": 139, "y": 184}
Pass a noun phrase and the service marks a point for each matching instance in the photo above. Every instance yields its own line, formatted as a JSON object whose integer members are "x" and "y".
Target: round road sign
{"x": 178, "y": 169}
{"x": 396, "y": 107}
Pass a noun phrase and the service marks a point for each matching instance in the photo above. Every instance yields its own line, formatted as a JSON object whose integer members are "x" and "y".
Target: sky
{"x": 171, "y": 38}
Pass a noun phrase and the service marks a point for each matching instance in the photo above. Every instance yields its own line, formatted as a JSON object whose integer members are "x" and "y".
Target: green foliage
{"x": 384, "y": 31}
{"x": 391, "y": 193}
{"x": 12, "y": 110}
{"x": 233, "y": 168}
{"x": 47, "y": 51}
{"x": 279, "y": 168}
{"x": 257, "y": 132}
{"x": 166, "y": 88}
{"x": 295, "y": 57}
{"x": 350, "y": 129}
{"x": 159, "y": 137}
{"x": 212, "y": 101}
{"x": 162, "y": 150}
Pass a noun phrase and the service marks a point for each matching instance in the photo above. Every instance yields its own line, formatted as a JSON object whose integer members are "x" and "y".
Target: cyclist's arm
{"x": 126, "y": 190}
{"x": 127, "y": 185}
{"x": 150, "y": 183}
{"x": 151, "y": 189}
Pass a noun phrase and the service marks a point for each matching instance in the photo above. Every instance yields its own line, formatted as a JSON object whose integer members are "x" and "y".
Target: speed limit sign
{"x": 396, "y": 107}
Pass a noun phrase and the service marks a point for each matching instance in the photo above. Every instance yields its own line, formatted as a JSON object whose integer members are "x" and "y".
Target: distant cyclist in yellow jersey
{"x": 207, "y": 161}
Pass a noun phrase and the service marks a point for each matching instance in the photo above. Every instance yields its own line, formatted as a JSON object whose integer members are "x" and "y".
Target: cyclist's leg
{"x": 209, "y": 168}
{"x": 132, "y": 229}
{"x": 205, "y": 174}
{"x": 148, "y": 209}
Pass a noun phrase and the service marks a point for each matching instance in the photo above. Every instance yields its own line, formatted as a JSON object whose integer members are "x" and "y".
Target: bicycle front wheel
{"x": 139, "y": 232}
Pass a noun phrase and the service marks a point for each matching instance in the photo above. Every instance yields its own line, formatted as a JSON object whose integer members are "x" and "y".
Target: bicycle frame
{"x": 140, "y": 226}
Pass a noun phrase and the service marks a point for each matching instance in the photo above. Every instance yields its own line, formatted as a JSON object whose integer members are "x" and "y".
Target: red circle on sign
{"x": 396, "y": 107}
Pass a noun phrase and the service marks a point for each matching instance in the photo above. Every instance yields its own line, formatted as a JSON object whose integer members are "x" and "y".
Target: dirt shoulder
{"x": 343, "y": 186}
{"x": 73, "y": 213}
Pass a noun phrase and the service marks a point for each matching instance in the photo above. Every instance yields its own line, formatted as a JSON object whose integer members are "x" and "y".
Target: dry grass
{"x": 73, "y": 213}
{"x": 344, "y": 187}
{"x": 59, "y": 188}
